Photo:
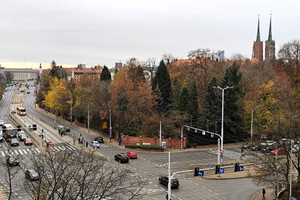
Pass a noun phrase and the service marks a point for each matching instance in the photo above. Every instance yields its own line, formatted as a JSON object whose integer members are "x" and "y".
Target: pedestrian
{"x": 120, "y": 140}
{"x": 74, "y": 141}
{"x": 87, "y": 144}
{"x": 84, "y": 143}
{"x": 264, "y": 193}
{"x": 42, "y": 130}
{"x": 79, "y": 140}
{"x": 61, "y": 133}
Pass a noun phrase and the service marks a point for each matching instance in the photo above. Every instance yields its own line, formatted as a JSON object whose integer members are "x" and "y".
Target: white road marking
{"x": 16, "y": 152}
{"x": 21, "y": 152}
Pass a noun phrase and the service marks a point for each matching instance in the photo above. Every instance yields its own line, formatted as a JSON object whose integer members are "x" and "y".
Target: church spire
{"x": 270, "y": 29}
{"x": 258, "y": 32}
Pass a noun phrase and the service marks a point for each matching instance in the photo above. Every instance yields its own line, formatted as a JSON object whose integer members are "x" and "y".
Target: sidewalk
{"x": 69, "y": 139}
{"x": 268, "y": 196}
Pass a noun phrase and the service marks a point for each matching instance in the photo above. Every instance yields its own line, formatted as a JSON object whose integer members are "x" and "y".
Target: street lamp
{"x": 222, "y": 125}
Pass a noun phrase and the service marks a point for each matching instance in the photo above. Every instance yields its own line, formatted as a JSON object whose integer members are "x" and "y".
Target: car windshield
{"x": 14, "y": 140}
{"x": 33, "y": 173}
{"x": 28, "y": 140}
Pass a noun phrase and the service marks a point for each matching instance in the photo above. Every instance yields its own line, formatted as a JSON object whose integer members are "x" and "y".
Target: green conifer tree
{"x": 105, "y": 75}
{"x": 183, "y": 100}
{"x": 162, "y": 82}
{"x": 233, "y": 123}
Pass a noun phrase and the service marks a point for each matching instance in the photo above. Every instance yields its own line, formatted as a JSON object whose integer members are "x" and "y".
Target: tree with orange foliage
{"x": 131, "y": 103}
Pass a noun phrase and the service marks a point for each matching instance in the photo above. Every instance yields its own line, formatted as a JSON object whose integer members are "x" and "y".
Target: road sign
{"x": 110, "y": 128}
{"x": 294, "y": 198}
{"x": 201, "y": 173}
{"x": 221, "y": 152}
{"x": 241, "y": 168}
{"x": 95, "y": 146}
{"x": 222, "y": 170}
{"x": 110, "y": 131}
{"x": 50, "y": 143}
{"x": 88, "y": 137}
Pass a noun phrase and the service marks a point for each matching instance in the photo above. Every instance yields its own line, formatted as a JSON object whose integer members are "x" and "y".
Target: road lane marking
{"x": 209, "y": 190}
{"x": 217, "y": 194}
{"x": 20, "y": 152}
{"x": 24, "y": 151}
{"x": 16, "y": 152}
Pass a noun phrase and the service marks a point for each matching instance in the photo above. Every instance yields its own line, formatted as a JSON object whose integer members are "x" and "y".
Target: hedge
{"x": 144, "y": 146}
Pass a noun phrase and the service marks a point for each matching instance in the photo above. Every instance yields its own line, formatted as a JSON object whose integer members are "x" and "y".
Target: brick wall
{"x": 171, "y": 143}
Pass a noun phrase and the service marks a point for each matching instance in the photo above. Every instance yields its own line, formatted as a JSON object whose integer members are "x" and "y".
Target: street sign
{"x": 110, "y": 131}
{"x": 294, "y": 198}
{"x": 221, "y": 152}
{"x": 88, "y": 137}
{"x": 241, "y": 168}
{"x": 95, "y": 146}
{"x": 201, "y": 173}
{"x": 50, "y": 143}
{"x": 222, "y": 170}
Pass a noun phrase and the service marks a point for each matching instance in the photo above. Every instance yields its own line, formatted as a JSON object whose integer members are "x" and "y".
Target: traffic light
{"x": 236, "y": 167}
{"x": 217, "y": 169}
{"x": 196, "y": 171}
{"x": 18, "y": 128}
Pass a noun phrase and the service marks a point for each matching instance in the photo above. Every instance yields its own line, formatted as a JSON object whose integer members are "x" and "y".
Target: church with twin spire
{"x": 257, "y": 51}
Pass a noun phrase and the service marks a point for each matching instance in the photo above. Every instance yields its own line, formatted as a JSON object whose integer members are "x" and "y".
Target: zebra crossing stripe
{"x": 16, "y": 152}
{"x": 37, "y": 150}
{"x": 29, "y": 150}
{"x": 62, "y": 148}
{"x": 20, "y": 152}
{"x": 56, "y": 149}
{"x": 2, "y": 153}
{"x": 24, "y": 151}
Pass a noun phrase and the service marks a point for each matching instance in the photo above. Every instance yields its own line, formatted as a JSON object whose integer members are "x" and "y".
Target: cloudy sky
{"x": 104, "y": 32}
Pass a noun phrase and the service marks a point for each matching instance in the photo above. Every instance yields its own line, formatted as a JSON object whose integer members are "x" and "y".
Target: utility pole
{"x": 222, "y": 124}
{"x": 88, "y": 118}
{"x": 71, "y": 111}
{"x": 251, "y": 124}
{"x": 169, "y": 184}
{"x": 160, "y": 133}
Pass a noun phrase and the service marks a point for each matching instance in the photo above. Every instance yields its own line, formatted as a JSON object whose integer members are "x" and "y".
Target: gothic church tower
{"x": 270, "y": 45}
{"x": 257, "y": 51}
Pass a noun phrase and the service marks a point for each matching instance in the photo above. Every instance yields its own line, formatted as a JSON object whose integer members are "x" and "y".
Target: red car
{"x": 280, "y": 151}
{"x": 28, "y": 142}
{"x": 131, "y": 154}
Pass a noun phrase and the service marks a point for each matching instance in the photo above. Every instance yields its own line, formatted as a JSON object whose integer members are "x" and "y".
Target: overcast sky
{"x": 102, "y": 32}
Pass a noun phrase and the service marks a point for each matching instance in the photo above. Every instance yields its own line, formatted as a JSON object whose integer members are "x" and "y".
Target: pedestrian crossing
{"x": 19, "y": 151}
{"x": 233, "y": 154}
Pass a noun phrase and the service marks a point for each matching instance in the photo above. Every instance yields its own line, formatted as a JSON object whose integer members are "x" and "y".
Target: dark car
{"x": 122, "y": 158}
{"x": 14, "y": 142}
{"x": 12, "y": 160}
{"x": 31, "y": 174}
{"x": 99, "y": 139}
{"x": 164, "y": 181}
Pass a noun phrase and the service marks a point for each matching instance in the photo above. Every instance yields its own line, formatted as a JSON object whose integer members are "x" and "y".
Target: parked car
{"x": 28, "y": 142}
{"x": 99, "y": 139}
{"x": 279, "y": 151}
{"x": 131, "y": 154}
{"x": 23, "y": 137}
{"x": 164, "y": 180}
{"x": 122, "y": 158}
{"x": 12, "y": 160}
{"x": 95, "y": 143}
{"x": 31, "y": 174}
{"x": 13, "y": 112}
{"x": 14, "y": 142}
{"x": 1, "y": 122}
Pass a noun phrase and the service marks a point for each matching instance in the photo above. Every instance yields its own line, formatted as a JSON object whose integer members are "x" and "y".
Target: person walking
{"x": 120, "y": 140}
{"x": 79, "y": 140}
{"x": 263, "y": 193}
{"x": 86, "y": 144}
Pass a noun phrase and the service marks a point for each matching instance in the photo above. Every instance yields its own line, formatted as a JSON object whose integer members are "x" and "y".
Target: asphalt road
{"x": 148, "y": 166}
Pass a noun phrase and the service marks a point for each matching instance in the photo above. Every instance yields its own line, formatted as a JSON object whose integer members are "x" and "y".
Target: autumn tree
{"x": 57, "y": 71}
{"x": 131, "y": 102}
{"x": 289, "y": 55}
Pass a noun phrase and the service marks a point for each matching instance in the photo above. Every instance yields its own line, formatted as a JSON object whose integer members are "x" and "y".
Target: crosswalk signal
{"x": 236, "y": 167}
{"x": 217, "y": 169}
{"x": 196, "y": 171}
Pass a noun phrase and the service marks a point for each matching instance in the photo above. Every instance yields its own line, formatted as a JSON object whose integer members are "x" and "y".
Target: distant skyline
{"x": 97, "y": 32}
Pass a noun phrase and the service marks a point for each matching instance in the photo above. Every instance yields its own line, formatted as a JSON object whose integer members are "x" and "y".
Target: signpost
{"x": 222, "y": 170}
{"x": 241, "y": 168}
{"x": 201, "y": 173}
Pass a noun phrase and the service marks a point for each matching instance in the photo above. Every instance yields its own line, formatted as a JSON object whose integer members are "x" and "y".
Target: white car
{"x": 95, "y": 144}
{"x": 1, "y": 122}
